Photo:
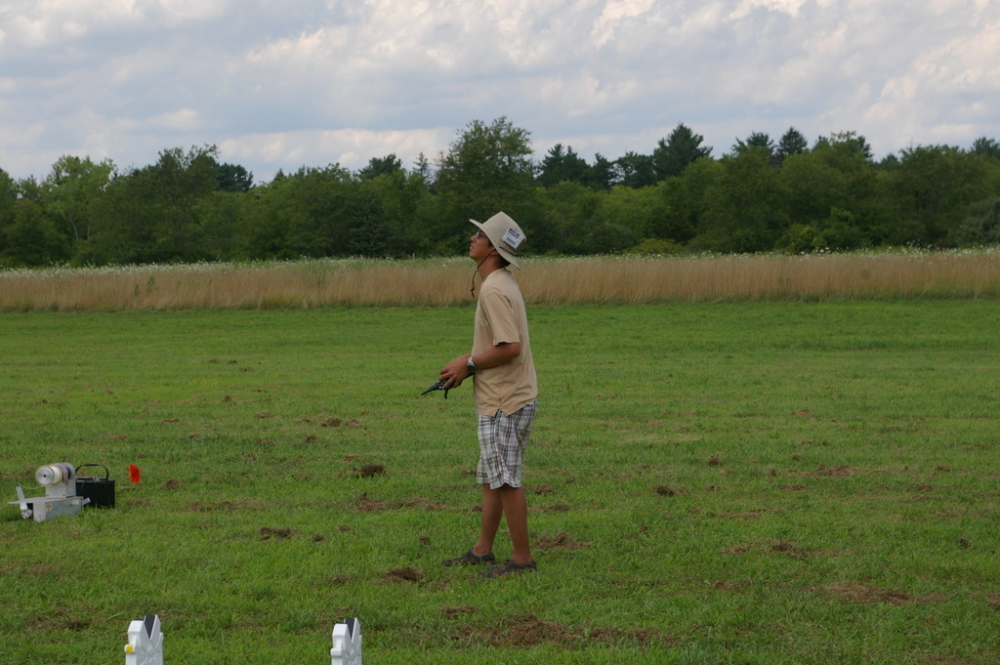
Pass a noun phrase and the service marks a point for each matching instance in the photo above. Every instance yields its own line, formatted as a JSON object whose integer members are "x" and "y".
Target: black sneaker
{"x": 509, "y": 567}
{"x": 470, "y": 559}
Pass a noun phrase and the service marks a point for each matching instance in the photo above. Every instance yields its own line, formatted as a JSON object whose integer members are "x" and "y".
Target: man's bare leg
{"x": 492, "y": 512}
{"x": 515, "y": 509}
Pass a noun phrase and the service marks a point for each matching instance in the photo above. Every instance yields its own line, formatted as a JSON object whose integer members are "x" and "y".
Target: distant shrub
{"x": 981, "y": 226}
{"x": 656, "y": 247}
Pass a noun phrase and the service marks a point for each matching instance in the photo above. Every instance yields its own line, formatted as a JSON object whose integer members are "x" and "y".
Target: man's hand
{"x": 454, "y": 372}
{"x": 457, "y": 370}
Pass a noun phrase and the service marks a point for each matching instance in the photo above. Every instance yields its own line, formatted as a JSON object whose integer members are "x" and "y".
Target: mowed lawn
{"x": 725, "y": 483}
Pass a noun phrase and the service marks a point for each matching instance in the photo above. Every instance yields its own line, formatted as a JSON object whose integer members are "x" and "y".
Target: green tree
{"x": 148, "y": 215}
{"x": 628, "y": 216}
{"x": 225, "y": 218}
{"x": 679, "y": 150}
{"x": 309, "y": 213}
{"x": 8, "y": 202}
{"x": 569, "y": 207}
{"x": 488, "y": 168}
{"x": 792, "y": 142}
{"x": 986, "y": 147}
{"x": 30, "y": 188}
{"x": 981, "y": 225}
{"x": 888, "y": 163}
{"x": 838, "y": 232}
{"x": 634, "y": 170}
{"x": 562, "y": 165}
{"x": 381, "y": 166}
{"x": 393, "y": 213}
{"x": 745, "y": 208}
{"x": 758, "y": 140}
{"x": 848, "y": 143}
{"x": 370, "y": 236}
{"x": 422, "y": 168}
{"x": 33, "y": 239}
{"x": 234, "y": 178}
{"x": 933, "y": 187}
{"x": 600, "y": 174}
{"x": 70, "y": 190}
{"x": 813, "y": 186}
{"x": 685, "y": 200}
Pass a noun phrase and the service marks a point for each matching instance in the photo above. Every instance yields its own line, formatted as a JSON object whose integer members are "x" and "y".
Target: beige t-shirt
{"x": 500, "y": 317}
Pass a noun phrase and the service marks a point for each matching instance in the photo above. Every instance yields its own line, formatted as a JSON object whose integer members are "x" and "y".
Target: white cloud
{"x": 282, "y": 84}
{"x": 351, "y": 148}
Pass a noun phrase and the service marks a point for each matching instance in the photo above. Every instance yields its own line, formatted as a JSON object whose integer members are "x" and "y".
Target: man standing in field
{"x": 505, "y": 393}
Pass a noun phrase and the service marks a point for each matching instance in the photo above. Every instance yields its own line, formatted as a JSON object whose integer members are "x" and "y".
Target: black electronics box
{"x": 100, "y": 491}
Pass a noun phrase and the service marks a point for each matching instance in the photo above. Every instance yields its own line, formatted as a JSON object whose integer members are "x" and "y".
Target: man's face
{"x": 479, "y": 246}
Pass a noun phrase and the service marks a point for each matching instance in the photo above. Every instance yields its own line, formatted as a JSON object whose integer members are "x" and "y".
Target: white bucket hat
{"x": 504, "y": 234}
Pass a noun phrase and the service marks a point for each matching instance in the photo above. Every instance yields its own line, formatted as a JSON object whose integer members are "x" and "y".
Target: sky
{"x": 280, "y": 84}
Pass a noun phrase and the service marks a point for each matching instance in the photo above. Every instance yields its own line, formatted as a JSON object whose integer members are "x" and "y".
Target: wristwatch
{"x": 471, "y": 366}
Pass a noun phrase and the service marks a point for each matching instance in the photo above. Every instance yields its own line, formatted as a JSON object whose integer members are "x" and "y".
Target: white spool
{"x": 54, "y": 474}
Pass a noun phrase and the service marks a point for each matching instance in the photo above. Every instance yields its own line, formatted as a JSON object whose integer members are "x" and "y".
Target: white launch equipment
{"x": 145, "y": 642}
{"x": 59, "y": 481}
{"x": 346, "y": 643}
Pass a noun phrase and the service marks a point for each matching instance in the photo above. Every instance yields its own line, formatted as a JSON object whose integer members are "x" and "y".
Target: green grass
{"x": 746, "y": 483}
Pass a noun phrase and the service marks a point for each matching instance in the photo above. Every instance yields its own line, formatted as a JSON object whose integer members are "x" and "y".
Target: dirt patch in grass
{"x": 266, "y": 533}
{"x": 449, "y": 612}
{"x": 542, "y": 490}
{"x": 55, "y": 621}
{"x": 842, "y": 471}
{"x": 330, "y": 421}
{"x": 776, "y": 546}
{"x": 560, "y": 541}
{"x": 244, "y": 504}
{"x": 367, "y": 505}
{"x": 555, "y": 508}
{"x": 863, "y": 593}
{"x": 741, "y": 516}
{"x": 527, "y": 630}
{"x": 666, "y": 490}
{"x": 747, "y": 515}
{"x": 47, "y": 572}
{"x": 407, "y": 574}
{"x": 369, "y": 471}
{"x": 422, "y": 503}
{"x": 172, "y": 484}
{"x": 740, "y": 586}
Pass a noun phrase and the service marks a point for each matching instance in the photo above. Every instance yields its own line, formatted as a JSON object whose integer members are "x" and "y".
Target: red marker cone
{"x": 133, "y": 473}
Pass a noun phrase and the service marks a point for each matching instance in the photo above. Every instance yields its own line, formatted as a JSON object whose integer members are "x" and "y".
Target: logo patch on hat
{"x": 513, "y": 238}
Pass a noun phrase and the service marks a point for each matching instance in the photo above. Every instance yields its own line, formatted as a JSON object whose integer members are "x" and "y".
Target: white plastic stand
{"x": 145, "y": 642}
{"x": 59, "y": 481}
{"x": 346, "y": 643}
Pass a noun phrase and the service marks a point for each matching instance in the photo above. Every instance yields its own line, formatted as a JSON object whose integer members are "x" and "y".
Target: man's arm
{"x": 458, "y": 370}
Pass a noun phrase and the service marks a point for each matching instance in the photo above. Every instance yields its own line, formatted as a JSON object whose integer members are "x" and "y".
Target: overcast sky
{"x": 286, "y": 83}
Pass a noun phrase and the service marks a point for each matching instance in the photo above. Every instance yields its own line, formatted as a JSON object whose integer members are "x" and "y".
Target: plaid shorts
{"x": 502, "y": 440}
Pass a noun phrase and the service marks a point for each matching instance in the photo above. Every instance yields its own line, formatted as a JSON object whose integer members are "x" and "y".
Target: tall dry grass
{"x": 325, "y": 283}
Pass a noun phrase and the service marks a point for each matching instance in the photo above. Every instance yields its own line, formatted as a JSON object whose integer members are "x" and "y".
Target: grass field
{"x": 728, "y": 483}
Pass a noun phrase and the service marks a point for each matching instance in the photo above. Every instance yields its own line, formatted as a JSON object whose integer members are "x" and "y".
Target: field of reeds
{"x": 305, "y": 284}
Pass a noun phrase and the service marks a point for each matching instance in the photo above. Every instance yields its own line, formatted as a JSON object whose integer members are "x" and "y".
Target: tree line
{"x": 760, "y": 195}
